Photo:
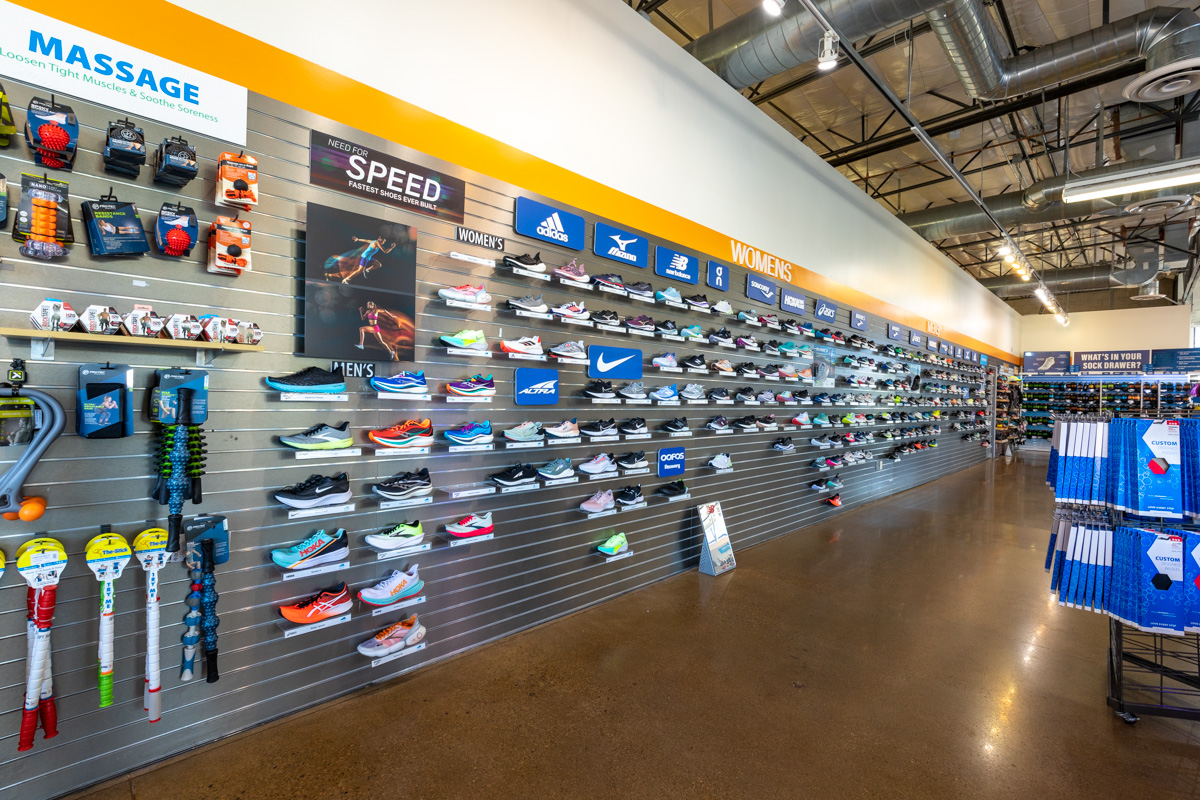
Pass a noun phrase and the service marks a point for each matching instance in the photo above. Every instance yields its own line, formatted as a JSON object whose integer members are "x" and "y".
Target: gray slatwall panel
{"x": 541, "y": 565}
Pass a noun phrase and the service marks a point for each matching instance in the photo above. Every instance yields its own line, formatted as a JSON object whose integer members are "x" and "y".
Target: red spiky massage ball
{"x": 177, "y": 242}
{"x": 54, "y": 141}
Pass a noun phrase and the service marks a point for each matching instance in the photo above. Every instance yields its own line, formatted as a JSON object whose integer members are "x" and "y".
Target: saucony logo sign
{"x": 605, "y": 366}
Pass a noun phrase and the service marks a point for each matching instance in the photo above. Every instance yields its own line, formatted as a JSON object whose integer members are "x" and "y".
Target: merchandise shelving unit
{"x": 1121, "y": 394}
{"x": 41, "y": 343}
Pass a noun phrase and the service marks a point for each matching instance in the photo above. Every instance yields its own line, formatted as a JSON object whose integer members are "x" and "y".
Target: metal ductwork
{"x": 756, "y": 46}
{"x": 1168, "y": 39}
{"x": 1041, "y": 202}
{"x": 1148, "y": 291}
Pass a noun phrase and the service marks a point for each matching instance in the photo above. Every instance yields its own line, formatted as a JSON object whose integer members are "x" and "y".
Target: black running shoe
{"x": 526, "y": 261}
{"x": 667, "y": 326}
{"x": 606, "y": 317}
{"x": 771, "y": 348}
{"x": 717, "y": 424}
{"x": 640, "y": 288}
{"x": 720, "y": 336}
{"x": 745, "y": 394}
{"x": 516, "y": 475}
{"x": 600, "y": 389}
{"x": 697, "y": 301}
{"x": 629, "y": 496}
{"x": 318, "y": 490}
{"x": 635, "y": 460}
{"x": 635, "y": 425}
{"x": 405, "y": 485}
{"x": 720, "y": 393}
{"x": 784, "y": 445}
{"x": 673, "y": 489}
{"x": 313, "y": 380}
{"x": 609, "y": 279}
{"x": 746, "y": 423}
{"x": 694, "y": 362}
{"x": 678, "y": 425}
{"x": 600, "y": 427}
{"x": 747, "y": 368}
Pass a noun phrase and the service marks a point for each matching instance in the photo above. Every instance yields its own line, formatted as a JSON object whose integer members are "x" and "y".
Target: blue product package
{"x": 1160, "y": 556}
{"x": 1159, "y": 484}
{"x": 1191, "y": 582}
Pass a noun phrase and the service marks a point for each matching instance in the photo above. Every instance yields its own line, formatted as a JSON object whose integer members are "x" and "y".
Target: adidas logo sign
{"x": 552, "y": 228}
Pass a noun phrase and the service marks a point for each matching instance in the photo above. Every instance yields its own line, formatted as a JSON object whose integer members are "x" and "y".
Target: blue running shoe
{"x": 669, "y": 293}
{"x": 471, "y": 433}
{"x": 404, "y": 383}
{"x": 665, "y": 393}
{"x": 312, "y": 380}
{"x": 320, "y": 548}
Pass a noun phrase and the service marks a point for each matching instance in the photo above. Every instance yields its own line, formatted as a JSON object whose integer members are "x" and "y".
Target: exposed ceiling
{"x": 844, "y": 119}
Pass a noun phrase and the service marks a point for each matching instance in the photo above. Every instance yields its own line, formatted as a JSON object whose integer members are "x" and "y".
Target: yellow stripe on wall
{"x": 298, "y": 82}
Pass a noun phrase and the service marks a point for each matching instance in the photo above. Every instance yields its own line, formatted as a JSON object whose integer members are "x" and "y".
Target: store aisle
{"x": 905, "y": 649}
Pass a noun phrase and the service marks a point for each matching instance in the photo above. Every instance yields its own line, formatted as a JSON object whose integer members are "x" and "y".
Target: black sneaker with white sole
{"x": 673, "y": 489}
{"x": 318, "y": 490}
{"x": 746, "y": 423}
{"x": 640, "y": 288}
{"x": 693, "y": 362}
{"x": 630, "y": 495}
{"x": 635, "y": 425}
{"x": 516, "y": 475}
{"x": 606, "y": 317}
{"x": 720, "y": 393}
{"x": 601, "y": 390}
{"x": 678, "y": 425}
{"x": 784, "y": 445}
{"x": 532, "y": 263}
{"x": 405, "y": 485}
{"x": 635, "y": 460}
{"x": 600, "y": 427}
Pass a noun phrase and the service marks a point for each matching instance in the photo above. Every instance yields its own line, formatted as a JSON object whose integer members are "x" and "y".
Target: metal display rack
{"x": 1155, "y": 395}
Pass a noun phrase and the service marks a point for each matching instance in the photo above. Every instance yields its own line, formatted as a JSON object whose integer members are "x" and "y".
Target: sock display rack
{"x": 1008, "y": 423}
{"x": 1046, "y": 396}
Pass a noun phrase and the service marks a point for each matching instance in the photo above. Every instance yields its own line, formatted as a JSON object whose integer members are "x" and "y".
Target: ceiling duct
{"x": 1148, "y": 291}
{"x": 1077, "y": 280}
{"x": 1041, "y": 202}
{"x": 1144, "y": 261}
{"x": 1168, "y": 39}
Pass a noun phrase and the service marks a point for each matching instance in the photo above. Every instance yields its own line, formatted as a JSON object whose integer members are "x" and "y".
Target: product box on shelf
{"x": 53, "y": 315}
{"x": 142, "y": 322}
{"x": 100, "y": 319}
{"x": 182, "y": 326}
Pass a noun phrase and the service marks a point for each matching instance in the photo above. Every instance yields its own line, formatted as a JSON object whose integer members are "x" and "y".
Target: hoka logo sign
{"x": 552, "y": 228}
{"x": 752, "y": 258}
{"x": 546, "y": 387}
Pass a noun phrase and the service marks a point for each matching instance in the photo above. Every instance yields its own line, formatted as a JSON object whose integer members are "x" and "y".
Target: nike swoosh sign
{"x": 605, "y": 366}
{"x": 323, "y": 489}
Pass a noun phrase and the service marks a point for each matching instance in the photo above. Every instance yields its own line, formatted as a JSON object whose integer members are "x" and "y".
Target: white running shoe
{"x": 529, "y": 345}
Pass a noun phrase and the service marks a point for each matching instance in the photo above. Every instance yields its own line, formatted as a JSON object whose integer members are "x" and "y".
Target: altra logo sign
{"x": 614, "y": 363}
{"x": 826, "y": 311}
{"x": 671, "y": 462}
{"x": 535, "y": 387}
{"x": 676, "y": 265}
{"x": 548, "y": 223}
{"x": 761, "y": 290}
{"x": 618, "y": 245}
{"x": 793, "y": 301}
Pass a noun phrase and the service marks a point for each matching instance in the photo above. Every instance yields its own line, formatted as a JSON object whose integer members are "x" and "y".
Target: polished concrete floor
{"x": 905, "y": 649}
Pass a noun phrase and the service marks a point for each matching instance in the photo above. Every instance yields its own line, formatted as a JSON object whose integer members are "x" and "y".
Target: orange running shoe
{"x": 322, "y": 605}
{"x": 410, "y": 433}
{"x": 836, "y": 500}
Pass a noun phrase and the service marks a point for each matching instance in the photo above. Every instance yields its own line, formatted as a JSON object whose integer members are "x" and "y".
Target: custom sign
{"x": 548, "y": 223}
{"x": 1182, "y": 360}
{"x": 794, "y": 302}
{"x": 858, "y": 320}
{"x": 755, "y": 259}
{"x": 1046, "y": 361}
{"x": 620, "y": 363}
{"x": 914, "y": 338}
{"x": 46, "y": 52}
{"x": 478, "y": 238}
{"x": 825, "y": 311}
{"x": 618, "y": 245}
{"x": 676, "y": 265}
{"x": 353, "y": 169}
{"x": 894, "y": 332}
{"x": 716, "y": 556}
{"x": 718, "y": 276}
{"x": 535, "y": 387}
{"x": 761, "y": 289}
{"x": 1111, "y": 360}
{"x": 671, "y": 462}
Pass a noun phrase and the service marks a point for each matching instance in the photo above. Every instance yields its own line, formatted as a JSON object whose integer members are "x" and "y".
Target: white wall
{"x": 1131, "y": 328}
{"x": 594, "y": 88}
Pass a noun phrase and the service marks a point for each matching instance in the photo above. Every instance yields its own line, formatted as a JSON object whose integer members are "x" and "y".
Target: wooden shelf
{"x": 47, "y": 340}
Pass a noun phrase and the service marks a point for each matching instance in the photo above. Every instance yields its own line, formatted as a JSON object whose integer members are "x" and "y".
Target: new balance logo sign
{"x": 552, "y": 228}
{"x": 545, "y": 387}
{"x": 619, "y": 251}
{"x": 679, "y": 261}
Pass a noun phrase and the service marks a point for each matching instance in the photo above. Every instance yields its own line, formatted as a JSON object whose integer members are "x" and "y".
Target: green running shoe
{"x": 406, "y": 534}
{"x": 614, "y": 544}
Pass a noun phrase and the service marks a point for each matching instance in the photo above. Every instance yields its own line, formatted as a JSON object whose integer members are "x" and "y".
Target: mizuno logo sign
{"x": 552, "y": 227}
{"x": 619, "y": 250}
{"x": 545, "y": 387}
{"x": 605, "y": 366}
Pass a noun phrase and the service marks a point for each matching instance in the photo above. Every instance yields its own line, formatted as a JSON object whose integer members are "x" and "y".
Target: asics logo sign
{"x": 826, "y": 311}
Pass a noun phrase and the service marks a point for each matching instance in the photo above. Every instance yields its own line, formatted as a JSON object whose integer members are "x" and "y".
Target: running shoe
{"x": 771, "y": 348}
{"x": 532, "y": 263}
{"x": 746, "y": 423}
{"x": 394, "y": 638}
{"x": 744, "y": 394}
{"x": 749, "y": 315}
{"x": 634, "y": 460}
{"x": 321, "y": 437}
{"x": 719, "y": 393}
{"x": 835, "y": 482}
{"x": 572, "y": 272}
{"x": 784, "y": 445}
{"x": 747, "y": 369}
{"x": 787, "y": 371}
{"x": 633, "y": 391}
{"x": 516, "y": 475}
{"x": 476, "y": 386}
{"x": 640, "y": 289}
{"x": 697, "y": 301}
{"x": 817, "y": 486}
{"x": 791, "y": 326}
{"x": 601, "y": 390}
{"x": 668, "y": 327}
{"x": 529, "y": 303}
{"x": 635, "y": 425}
{"x": 320, "y": 548}
{"x": 563, "y": 430}
{"x": 665, "y": 360}
{"x": 630, "y": 495}
{"x": 821, "y": 442}
{"x": 836, "y": 500}
{"x": 394, "y": 588}
{"x": 691, "y": 332}
{"x": 808, "y": 329}
{"x": 525, "y": 432}
{"x": 529, "y": 345}
{"x": 722, "y": 365}
{"x": 571, "y": 311}
{"x": 405, "y": 485}
{"x": 801, "y": 419}
{"x": 312, "y": 380}
{"x": 821, "y": 419}
{"x": 769, "y": 319}
{"x": 404, "y": 383}
{"x": 720, "y": 336}
{"x": 617, "y": 543}
{"x": 599, "y": 427}
{"x": 669, "y": 294}
{"x": 717, "y": 424}
{"x": 677, "y": 425}
{"x": 318, "y": 490}
{"x": 471, "y": 433}
{"x": 693, "y": 391}
{"x": 472, "y": 525}
{"x": 609, "y": 279}
{"x": 466, "y": 294}
{"x": 721, "y": 461}
{"x": 640, "y": 323}
{"x": 410, "y": 433}
{"x": 466, "y": 340}
{"x": 600, "y": 501}
{"x": 766, "y": 421}
{"x": 323, "y": 605}
{"x": 722, "y": 307}
{"x": 606, "y": 317}
{"x": 558, "y": 468}
{"x": 747, "y": 341}
{"x": 401, "y": 535}
{"x": 769, "y": 371}
{"x": 599, "y": 465}
{"x": 766, "y": 396}
{"x": 665, "y": 393}
{"x": 569, "y": 350}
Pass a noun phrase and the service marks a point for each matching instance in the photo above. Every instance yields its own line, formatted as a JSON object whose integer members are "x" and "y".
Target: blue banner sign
{"x": 623, "y": 246}
{"x": 676, "y": 265}
{"x": 549, "y": 224}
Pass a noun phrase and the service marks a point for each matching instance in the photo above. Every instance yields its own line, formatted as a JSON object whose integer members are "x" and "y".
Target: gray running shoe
{"x": 558, "y": 468}
{"x": 529, "y": 303}
{"x": 634, "y": 391}
{"x": 525, "y": 432}
{"x": 693, "y": 391}
{"x": 321, "y": 437}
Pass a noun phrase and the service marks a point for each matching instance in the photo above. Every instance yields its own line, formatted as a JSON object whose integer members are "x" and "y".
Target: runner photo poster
{"x": 360, "y": 280}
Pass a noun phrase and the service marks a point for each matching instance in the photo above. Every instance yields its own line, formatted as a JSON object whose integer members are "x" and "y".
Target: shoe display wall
{"x": 378, "y": 489}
